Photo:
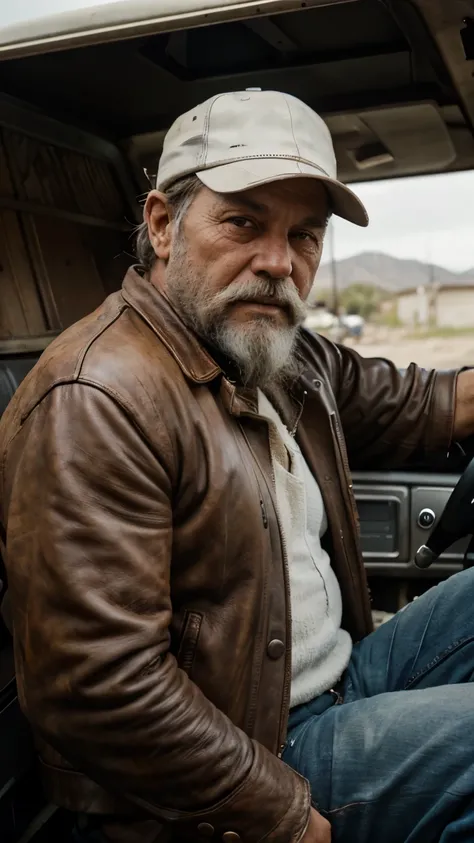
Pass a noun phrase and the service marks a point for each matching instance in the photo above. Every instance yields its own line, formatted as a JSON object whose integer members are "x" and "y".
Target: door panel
{"x": 65, "y": 224}
{"x": 68, "y": 268}
{"x": 21, "y": 311}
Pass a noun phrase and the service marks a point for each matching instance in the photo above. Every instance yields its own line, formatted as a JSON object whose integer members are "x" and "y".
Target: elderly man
{"x": 189, "y": 603}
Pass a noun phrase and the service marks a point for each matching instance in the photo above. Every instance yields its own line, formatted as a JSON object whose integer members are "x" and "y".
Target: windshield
{"x": 404, "y": 287}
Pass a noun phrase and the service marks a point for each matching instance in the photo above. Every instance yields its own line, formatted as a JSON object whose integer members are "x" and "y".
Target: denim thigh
{"x": 394, "y": 767}
{"x": 428, "y": 643}
{"x": 395, "y": 761}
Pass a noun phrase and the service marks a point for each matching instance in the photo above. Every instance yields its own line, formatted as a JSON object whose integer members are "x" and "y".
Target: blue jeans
{"x": 394, "y": 763}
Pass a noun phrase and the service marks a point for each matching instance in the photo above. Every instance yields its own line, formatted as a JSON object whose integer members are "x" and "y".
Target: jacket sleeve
{"x": 90, "y": 512}
{"x": 391, "y": 416}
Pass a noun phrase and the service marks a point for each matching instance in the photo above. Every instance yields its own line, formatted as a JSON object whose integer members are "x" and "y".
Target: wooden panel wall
{"x": 63, "y": 235}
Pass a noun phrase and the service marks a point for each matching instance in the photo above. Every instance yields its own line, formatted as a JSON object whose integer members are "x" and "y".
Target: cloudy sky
{"x": 430, "y": 218}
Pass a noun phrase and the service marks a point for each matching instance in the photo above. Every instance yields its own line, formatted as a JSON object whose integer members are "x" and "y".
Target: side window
{"x": 404, "y": 287}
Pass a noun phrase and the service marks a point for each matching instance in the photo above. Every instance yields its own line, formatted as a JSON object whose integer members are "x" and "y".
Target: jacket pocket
{"x": 189, "y": 640}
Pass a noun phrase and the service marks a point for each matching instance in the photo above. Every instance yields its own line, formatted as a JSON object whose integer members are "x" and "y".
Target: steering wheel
{"x": 456, "y": 522}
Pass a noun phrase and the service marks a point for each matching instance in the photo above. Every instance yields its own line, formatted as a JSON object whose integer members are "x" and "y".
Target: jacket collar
{"x": 156, "y": 310}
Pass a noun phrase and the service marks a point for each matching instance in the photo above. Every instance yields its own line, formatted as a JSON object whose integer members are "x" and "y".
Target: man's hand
{"x": 318, "y": 831}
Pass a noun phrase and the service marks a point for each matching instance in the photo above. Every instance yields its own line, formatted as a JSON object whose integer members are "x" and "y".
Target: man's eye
{"x": 240, "y": 222}
{"x": 305, "y": 235}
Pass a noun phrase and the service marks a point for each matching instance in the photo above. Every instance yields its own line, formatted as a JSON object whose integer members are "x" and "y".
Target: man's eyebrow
{"x": 311, "y": 221}
{"x": 246, "y": 202}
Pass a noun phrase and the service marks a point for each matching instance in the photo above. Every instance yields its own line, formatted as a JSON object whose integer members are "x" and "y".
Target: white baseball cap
{"x": 236, "y": 141}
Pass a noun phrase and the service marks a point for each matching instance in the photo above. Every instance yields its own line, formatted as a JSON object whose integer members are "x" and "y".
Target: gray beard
{"x": 263, "y": 352}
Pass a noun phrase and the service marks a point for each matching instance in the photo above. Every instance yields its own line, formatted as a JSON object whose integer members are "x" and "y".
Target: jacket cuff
{"x": 272, "y": 805}
{"x": 440, "y": 430}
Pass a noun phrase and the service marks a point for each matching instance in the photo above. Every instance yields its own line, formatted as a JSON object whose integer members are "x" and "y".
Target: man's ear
{"x": 157, "y": 217}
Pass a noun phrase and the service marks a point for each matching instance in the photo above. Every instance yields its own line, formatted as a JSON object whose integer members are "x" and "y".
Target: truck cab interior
{"x": 82, "y": 120}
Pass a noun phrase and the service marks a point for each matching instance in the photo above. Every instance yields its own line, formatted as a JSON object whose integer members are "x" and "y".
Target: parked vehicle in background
{"x": 338, "y": 327}
{"x": 354, "y": 324}
{"x": 322, "y": 320}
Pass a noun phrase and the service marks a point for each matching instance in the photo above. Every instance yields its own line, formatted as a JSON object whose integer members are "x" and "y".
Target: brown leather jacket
{"x": 148, "y": 579}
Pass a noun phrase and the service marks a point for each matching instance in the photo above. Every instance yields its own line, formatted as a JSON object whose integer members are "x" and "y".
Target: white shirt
{"x": 320, "y": 648}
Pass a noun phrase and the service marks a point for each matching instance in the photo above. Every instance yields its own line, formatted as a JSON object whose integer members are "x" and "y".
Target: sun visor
{"x": 395, "y": 141}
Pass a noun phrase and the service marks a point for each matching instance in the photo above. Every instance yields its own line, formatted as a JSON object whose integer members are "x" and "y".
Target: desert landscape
{"x": 429, "y": 351}
{"x": 375, "y": 281}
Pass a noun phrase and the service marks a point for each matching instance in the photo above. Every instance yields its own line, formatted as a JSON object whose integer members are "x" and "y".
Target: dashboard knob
{"x": 426, "y": 518}
{"x": 424, "y": 557}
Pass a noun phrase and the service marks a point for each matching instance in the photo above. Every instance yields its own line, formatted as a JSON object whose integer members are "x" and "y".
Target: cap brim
{"x": 248, "y": 173}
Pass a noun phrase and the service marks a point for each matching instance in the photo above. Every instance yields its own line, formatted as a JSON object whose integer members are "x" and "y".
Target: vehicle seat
{"x": 12, "y": 372}
{"x": 16, "y": 746}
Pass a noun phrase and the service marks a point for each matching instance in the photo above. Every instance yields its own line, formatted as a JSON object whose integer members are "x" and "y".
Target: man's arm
{"x": 89, "y": 539}
{"x": 390, "y": 417}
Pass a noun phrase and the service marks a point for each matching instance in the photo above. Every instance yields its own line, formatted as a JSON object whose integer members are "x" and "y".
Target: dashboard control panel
{"x": 397, "y": 513}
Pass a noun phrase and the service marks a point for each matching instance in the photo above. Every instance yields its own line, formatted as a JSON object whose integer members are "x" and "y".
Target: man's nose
{"x": 273, "y": 258}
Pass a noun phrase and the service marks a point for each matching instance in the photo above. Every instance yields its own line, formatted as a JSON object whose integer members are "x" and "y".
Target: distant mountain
{"x": 389, "y": 273}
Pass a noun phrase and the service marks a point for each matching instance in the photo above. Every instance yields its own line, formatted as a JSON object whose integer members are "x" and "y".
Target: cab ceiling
{"x": 371, "y": 67}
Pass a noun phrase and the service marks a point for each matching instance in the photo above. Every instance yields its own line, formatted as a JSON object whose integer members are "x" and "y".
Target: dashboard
{"x": 397, "y": 512}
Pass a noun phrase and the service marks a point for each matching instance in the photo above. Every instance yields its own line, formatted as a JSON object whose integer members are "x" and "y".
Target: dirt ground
{"x": 432, "y": 352}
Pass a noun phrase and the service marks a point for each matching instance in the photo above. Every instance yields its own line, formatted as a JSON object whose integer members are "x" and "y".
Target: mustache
{"x": 281, "y": 292}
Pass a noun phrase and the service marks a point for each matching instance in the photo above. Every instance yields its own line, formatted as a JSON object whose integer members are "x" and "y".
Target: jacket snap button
{"x": 231, "y": 837}
{"x": 275, "y": 650}
{"x": 205, "y": 830}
